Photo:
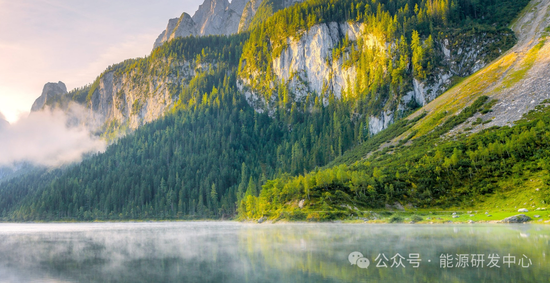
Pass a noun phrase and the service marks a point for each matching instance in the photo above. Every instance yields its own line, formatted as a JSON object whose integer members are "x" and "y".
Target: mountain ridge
{"x": 209, "y": 149}
{"x": 446, "y": 155}
{"x": 50, "y": 92}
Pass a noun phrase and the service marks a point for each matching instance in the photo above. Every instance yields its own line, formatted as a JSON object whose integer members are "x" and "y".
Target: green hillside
{"x": 214, "y": 156}
{"x": 506, "y": 167}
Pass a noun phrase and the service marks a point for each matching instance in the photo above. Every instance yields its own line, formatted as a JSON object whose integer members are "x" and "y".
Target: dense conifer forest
{"x": 213, "y": 156}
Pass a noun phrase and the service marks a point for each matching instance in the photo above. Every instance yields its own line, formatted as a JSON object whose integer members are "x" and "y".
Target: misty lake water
{"x": 297, "y": 252}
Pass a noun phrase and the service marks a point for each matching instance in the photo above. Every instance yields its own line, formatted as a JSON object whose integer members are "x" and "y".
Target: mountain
{"x": 178, "y": 27}
{"x": 257, "y": 11}
{"x": 219, "y": 17}
{"x": 319, "y": 60}
{"x": 215, "y": 121}
{"x": 482, "y": 144}
{"x": 50, "y": 92}
{"x": 214, "y": 17}
{"x": 308, "y": 58}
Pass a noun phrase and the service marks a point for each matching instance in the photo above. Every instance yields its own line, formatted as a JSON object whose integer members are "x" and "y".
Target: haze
{"x": 72, "y": 41}
{"x": 44, "y": 138}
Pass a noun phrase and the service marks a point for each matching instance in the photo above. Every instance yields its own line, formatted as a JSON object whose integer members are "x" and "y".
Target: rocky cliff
{"x": 257, "y": 11}
{"x": 308, "y": 65}
{"x": 219, "y": 17}
{"x": 129, "y": 100}
{"x": 51, "y": 91}
{"x": 317, "y": 60}
{"x": 182, "y": 27}
{"x": 214, "y": 17}
{"x": 518, "y": 82}
{"x": 249, "y": 11}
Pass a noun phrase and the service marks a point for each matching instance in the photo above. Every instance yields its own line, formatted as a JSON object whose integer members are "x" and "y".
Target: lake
{"x": 296, "y": 252}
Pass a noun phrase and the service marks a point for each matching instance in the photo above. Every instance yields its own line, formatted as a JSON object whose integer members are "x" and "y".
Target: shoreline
{"x": 270, "y": 222}
{"x": 404, "y": 217}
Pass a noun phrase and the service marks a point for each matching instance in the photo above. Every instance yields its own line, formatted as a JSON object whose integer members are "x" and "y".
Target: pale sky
{"x": 73, "y": 41}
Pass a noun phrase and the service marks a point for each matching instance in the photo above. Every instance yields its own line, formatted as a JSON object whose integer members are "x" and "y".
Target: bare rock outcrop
{"x": 49, "y": 92}
{"x": 248, "y": 14}
{"x": 218, "y": 17}
{"x": 306, "y": 63}
{"x": 182, "y": 27}
{"x": 526, "y": 66}
{"x": 214, "y": 17}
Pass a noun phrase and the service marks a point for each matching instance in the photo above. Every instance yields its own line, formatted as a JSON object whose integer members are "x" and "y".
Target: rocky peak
{"x": 214, "y": 17}
{"x": 50, "y": 91}
{"x": 238, "y": 5}
{"x": 249, "y": 11}
{"x": 208, "y": 10}
{"x": 217, "y": 17}
{"x": 178, "y": 27}
{"x": 267, "y": 8}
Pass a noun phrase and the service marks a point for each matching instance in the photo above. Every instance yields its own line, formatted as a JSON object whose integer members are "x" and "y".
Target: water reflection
{"x": 235, "y": 252}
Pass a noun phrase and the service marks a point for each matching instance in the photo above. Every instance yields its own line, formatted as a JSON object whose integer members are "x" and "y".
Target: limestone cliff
{"x": 182, "y": 27}
{"x": 51, "y": 91}
{"x": 214, "y": 17}
{"x": 307, "y": 65}
{"x": 219, "y": 17}
{"x": 248, "y": 14}
{"x": 132, "y": 99}
{"x": 256, "y": 11}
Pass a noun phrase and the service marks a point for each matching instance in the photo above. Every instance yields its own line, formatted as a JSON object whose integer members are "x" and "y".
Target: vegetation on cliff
{"x": 213, "y": 156}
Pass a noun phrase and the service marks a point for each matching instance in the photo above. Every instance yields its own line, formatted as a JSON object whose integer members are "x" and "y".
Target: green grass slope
{"x": 448, "y": 156}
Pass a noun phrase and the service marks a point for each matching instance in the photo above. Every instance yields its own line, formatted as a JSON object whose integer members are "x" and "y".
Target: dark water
{"x": 235, "y": 252}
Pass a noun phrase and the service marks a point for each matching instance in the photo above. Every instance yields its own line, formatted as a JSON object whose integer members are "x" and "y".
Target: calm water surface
{"x": 236, "y": 252}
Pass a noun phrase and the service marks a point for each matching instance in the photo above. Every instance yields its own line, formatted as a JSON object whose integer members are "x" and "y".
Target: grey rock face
{"x": 178, "y": 27}
{"x": 248, "y": 14}
{"x": 211, "y": 16}
{"x": 134, "y": 100}
{"x": 214, "y": 17}
{"x": 50, "y": 91}
{"x": 253, "y": 6}
{"x": 517, "y": 219}
{"x": 523, "y": 210}
{"x": 307, "y": 65}
{"x": 238, "y": 5}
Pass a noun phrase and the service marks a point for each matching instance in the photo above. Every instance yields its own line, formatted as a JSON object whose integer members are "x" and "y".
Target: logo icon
{"x": 354, "y": 256}
{"x": 357, "y": 258}
{"x": 363, "y": 263}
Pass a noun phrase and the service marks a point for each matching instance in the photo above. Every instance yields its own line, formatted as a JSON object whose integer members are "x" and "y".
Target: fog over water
{"x": 237, "y": 252}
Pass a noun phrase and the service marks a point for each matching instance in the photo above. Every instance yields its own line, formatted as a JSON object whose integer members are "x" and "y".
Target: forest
{"x": 407, "y": 29}
{"x": 433, "y": 172}
{"x": 213, "y": 156}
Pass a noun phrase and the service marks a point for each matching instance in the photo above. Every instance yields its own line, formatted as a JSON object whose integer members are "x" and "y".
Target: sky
{"x": 73, "y": 41}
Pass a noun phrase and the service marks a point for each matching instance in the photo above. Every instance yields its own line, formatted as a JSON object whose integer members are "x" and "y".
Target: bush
{"x": 396, "y": 219}
{"x": 416, "y": 218}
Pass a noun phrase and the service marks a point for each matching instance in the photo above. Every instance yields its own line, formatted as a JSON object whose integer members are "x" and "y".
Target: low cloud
{"x": 48, "y": 138}
{"x": 3, "y": 122}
